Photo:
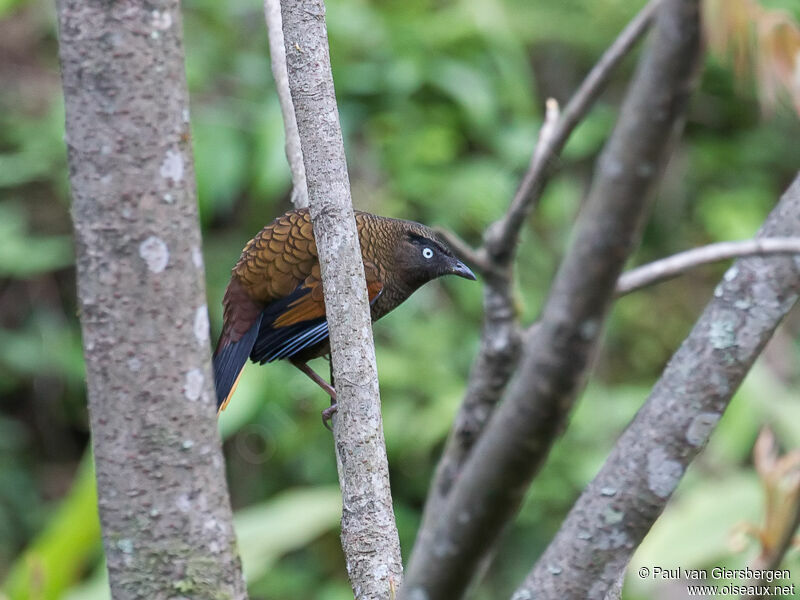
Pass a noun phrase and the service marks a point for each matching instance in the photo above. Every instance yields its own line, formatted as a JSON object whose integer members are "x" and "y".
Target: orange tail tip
{"x": 224, "y": 404}
{"x": 229, "y": 360}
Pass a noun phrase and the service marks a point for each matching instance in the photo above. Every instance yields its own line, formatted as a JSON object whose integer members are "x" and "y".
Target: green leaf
{"x": 58, "y": 555}
{"x": 284, "y": 523}
{"x": 469, "y": 87}
{"x": 220, "y": 161}
{"x": 23, "y": 254}
{"x": 7, "y": 6}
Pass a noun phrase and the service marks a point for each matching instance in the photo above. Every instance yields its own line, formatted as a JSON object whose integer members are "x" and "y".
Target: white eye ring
{"x": 427, "y": 252}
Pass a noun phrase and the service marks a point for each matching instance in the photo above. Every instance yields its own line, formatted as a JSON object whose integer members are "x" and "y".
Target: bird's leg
{"x": 328, "y": 412}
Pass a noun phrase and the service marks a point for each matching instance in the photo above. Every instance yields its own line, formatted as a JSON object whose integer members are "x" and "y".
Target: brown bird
{"x": 274, "y": 307}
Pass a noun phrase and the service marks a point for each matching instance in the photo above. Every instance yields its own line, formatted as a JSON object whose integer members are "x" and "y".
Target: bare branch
{"x": 543, "y": 147}
{"x": 277, "y": 53}
{"x": 369, "y": 534}
{"x": 502, "y": 237}
{"x": 619, "y": 506}
{"x": 500, "y": 341}
{"x": 491, "y": 483}
{"x": 496, "y": 361}
{"x": 163, "y": 502}
{"x": 673, "y": 266}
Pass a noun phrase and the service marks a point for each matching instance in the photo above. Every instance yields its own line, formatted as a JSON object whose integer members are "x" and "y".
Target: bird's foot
{"x": 327, "y": 414}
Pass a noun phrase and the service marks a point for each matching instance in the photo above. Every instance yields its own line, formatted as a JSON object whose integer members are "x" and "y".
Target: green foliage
{"x": 23, "y": 255}
{"x": 57, "y": 557}
{"x": 440, "y": 104}
{"x": 288, "y": 522}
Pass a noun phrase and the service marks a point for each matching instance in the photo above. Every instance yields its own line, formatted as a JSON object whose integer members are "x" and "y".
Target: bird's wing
{"x": 308, "y": 302}
{"x": 272, "y": 266}
{"x": 292, "y": 324}
{"x": 274, "y": 306}
{"x": 281, "y": 257}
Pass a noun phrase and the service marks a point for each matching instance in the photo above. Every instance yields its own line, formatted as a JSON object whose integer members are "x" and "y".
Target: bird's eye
{"x": 427, "y": 252}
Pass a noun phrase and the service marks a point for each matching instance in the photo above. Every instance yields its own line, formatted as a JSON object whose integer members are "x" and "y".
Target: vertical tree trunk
{"x": 164, "y": 507}
{"x": 369, "y": 534}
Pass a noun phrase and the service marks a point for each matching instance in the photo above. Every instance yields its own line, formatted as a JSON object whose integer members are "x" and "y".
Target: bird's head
{"x": 423, "y": 256}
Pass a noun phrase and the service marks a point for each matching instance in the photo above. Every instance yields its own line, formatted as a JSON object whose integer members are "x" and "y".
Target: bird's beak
{"x": 462, "y": 270}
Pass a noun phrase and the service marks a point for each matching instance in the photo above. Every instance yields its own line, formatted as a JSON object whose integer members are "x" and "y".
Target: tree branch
{"x": 502, "y": 237}
{"x": 369, "y": 534}
{"x": 277, "y": 54}
{"x": 163, "y": 503}
{"x": 673, "y": 266}
{"x": 620, "y": 505}
{"x": 496, "y": 474}
{"x": 500, "y": 341}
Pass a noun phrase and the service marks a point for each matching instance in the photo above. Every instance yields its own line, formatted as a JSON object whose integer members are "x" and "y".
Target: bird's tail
{"x": 229, "y": 360}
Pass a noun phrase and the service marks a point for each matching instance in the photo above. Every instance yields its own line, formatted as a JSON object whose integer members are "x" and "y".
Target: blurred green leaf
{"x": 734, "y": 213}
{"x": 44, "y": 345}
{"x": 38, "y": 151}
{"x": 220, "y": 162}
{"x": 284, "y": 523}
{"x": 469, "y": 87}
{"x": 6, "y": 6}
{"x": 60, "y": 553}
{"x": 25, "y": 255}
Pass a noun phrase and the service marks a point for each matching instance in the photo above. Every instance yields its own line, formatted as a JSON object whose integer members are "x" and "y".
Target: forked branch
{"x": 500, "y": 341}
{"x": 517, "y": 439}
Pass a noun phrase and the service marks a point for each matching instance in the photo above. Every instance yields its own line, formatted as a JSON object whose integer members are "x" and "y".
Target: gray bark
{"x": 677, "y": 264}
{"x": 501, "y": 337}
{"x": 554, "y": 363}
{"x": 619, "y": 506}
{"x": 277, "y": 53}
{"x": 163, "y": 501}
{"x": 369, "y": 534}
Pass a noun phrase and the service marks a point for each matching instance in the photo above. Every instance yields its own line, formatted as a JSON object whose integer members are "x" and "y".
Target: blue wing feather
{"x": 274, "y": 343}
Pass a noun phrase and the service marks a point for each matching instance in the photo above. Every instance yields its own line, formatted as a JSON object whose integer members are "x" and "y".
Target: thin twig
{"x": 277, "y": 53}
{"x": 502, "y": 236}
{"x": 618, "y": 508}
{"x": 673, "y": 266}
{"x": 544, "y": 145}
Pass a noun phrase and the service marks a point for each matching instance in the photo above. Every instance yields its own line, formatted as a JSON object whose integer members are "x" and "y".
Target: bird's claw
{"x": 327, "y": 414}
